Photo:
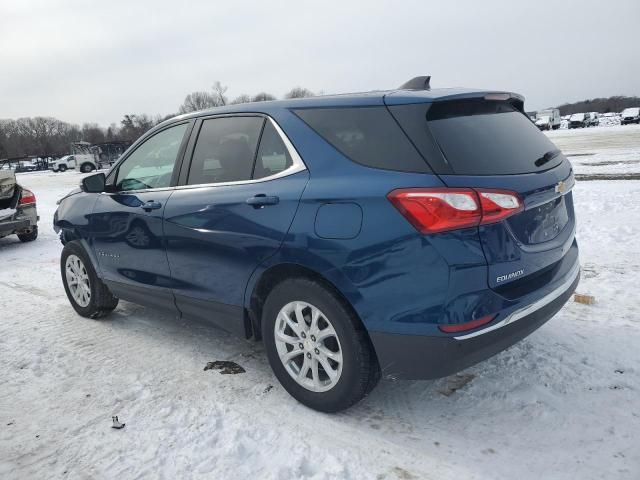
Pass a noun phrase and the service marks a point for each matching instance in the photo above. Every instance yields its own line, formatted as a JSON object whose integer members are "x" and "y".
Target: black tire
{"x": 86, "y": 168}
{"x": 29, "y": 237}
{"x": 62, "y": 168}
{"x": 360, "y": 370}
{"x": 101, "y": 302}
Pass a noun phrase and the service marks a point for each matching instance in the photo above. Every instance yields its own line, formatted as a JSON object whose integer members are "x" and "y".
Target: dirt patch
{"x": 455, "y": 383}
{"x": 607, "y": 176}
{"x": 225, "y": 367}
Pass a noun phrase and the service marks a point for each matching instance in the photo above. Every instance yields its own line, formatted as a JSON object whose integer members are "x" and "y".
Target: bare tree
{"x": 92, "y": 133}
{"x": 262, "y": 97}
{"x": 219, "y": 94}
{"x": 198, "y": 101}
{"x": 242, "y": 98}
{"x": 299, "y": 92}
{"x": 135, "y": 125}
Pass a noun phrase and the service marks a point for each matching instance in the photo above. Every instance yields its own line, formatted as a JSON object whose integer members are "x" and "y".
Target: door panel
{"x": 217, "y": 235}
{"x": 129, "y": 245}
{"x": 126, "y": 226}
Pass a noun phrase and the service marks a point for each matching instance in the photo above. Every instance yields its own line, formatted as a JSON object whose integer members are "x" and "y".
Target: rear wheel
{"x": 88, "y": 295}
{"x": 86, "y": 168}
{"x": 30, "y": 236}
{"x": 316, "y": 347}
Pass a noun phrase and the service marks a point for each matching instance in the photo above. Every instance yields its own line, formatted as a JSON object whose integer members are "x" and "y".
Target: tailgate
{"x": 488, "y": 144}
{"x": 535, "y": 239}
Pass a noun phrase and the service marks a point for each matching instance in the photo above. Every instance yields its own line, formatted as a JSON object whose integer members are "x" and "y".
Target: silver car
{"x": 18, "y": 214}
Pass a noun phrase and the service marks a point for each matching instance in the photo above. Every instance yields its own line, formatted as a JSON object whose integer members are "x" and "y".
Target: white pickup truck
{"x": 83, "y": 162}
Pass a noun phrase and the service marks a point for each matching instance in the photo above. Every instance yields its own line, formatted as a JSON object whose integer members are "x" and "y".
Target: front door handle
{"x": 262, "y": 200}
{"x": 150, "y": 205}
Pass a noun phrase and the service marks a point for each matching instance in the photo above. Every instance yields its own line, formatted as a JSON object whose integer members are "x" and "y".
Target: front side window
{"x": 225, "y": 150}
{"x": 151, "y": 164}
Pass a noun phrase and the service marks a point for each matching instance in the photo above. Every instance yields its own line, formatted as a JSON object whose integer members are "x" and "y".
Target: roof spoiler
{"x": 417, "y": 83}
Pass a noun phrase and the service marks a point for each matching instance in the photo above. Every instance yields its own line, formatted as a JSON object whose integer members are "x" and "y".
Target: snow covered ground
{"x": 601, "y": 150}
{"x": 562, "y": 404}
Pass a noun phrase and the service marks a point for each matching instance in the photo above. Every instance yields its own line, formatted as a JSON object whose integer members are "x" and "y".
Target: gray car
{"x": 18, "y": 214}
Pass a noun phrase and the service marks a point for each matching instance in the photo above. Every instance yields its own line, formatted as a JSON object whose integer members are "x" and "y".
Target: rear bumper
{"x": 13, "y": 226}
{"x": 428, "y": 357}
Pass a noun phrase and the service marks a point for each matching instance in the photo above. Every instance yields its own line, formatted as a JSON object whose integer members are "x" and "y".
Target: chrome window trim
{"x": 297, "y": 165}
{"x": 529, "y": 309}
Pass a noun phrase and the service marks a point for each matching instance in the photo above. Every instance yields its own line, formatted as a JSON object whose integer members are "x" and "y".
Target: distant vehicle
{"x": 630, "y": 115}
{"x": 579, "y": 120}
{"x": 548, "y": 119}
{"x": 18, "y": 215}
{"x": 532, "y": 116}
{"x": 594, "y": 119}
{"x": 84, "y": 162}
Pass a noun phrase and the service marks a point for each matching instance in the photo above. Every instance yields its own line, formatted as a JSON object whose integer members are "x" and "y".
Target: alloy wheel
{"x": 78, "y": 280}
{"x": 308, "y": 346}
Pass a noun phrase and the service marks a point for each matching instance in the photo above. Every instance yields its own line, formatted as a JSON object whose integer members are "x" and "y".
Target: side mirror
{"x": 93, "y": 183}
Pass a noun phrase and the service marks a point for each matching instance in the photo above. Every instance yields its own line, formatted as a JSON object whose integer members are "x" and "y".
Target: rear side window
{"x": 366, "y": 135}
{"x": 273, "y": 156}
{"x": 479, "y": 138}
{"x": 225, "y": 150}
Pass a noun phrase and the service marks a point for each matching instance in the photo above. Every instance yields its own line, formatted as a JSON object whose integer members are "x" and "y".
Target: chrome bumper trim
{"x": 529, "y": 309}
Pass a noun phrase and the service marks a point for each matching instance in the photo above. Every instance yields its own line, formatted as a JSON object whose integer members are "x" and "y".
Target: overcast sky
{"x": 84, "y": 63}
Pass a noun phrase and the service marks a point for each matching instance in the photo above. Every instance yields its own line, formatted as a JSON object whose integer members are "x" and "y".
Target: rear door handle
{"x": 262, "y": 200}
{"x": 150, "y": 205}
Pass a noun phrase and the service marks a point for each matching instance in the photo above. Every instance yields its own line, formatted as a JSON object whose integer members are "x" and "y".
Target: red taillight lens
{"x": 438, "y": 210}
{"x": 432, "y": 210}
{"x": 27, "y": 197}
{"x": 498, "y": 205}
{"x": 463, "y": 327}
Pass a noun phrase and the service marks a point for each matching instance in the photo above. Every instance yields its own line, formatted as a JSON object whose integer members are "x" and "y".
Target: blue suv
{"x": 407, "y": 233}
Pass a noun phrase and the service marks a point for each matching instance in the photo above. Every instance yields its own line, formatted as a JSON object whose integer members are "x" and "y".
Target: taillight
{"x": 498, "y": 205}
{"x": 27, "y": 197}
{"x": 432, "y": 210}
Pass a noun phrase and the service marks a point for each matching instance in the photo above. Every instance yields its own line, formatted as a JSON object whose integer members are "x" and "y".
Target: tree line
{"x": 600, "y": 105}
{"x": 51, "y": 137}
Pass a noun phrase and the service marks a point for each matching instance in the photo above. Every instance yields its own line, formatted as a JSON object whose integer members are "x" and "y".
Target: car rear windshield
{"x": 366, "y": 135}
{"x": 489, "y": 138}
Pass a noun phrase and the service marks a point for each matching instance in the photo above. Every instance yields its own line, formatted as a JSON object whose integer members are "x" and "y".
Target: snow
{"x": 601, "y": 150}
{"x": 562, "y": 404}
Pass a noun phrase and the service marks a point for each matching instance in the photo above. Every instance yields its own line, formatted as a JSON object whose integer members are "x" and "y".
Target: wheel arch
{"x": 273, "y": 275}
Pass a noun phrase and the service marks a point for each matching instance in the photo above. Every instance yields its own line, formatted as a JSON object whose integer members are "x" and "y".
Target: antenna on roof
{"x": 417, "y": 83}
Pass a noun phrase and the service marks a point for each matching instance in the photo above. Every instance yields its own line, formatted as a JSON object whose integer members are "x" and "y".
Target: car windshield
{"x": 631, "y": 111}
{"x": 577, "y": 116}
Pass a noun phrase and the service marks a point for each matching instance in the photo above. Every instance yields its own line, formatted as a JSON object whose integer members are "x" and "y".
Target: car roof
{"x": 373, "y": 98}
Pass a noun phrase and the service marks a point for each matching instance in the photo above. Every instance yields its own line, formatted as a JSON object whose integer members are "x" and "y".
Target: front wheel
{"x": 316, "y": 347}
{"x": 88, "y": 295}
{"x": 62, "y": 168}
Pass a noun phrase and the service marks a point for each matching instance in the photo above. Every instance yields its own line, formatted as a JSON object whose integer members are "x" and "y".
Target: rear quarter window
{"x": 366, "y": 135}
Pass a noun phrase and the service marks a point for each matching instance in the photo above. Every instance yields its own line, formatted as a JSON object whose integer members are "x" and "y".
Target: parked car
{"x": 18, "y": 214}
{"x": 594, "y": 119}
{"x": 84, "y": 163}
{"x": 630, "y": 115}
{"x": 354, "y": 234}
{"x": 579, "y": 120}
{"x": 548, "y": 119}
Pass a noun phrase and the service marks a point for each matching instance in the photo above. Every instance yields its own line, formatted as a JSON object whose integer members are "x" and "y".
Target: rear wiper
{"x": 547, "y": 157}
